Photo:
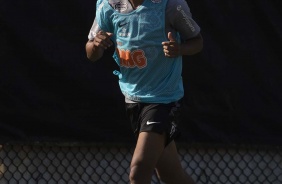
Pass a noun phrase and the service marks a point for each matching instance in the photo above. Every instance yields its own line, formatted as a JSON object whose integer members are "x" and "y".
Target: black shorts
{"x": 158, "y": 118}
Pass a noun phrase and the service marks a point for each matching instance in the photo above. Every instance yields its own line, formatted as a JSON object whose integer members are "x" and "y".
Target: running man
{"x": 150, "y": 37}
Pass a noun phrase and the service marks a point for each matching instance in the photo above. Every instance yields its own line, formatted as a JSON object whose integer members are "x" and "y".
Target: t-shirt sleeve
{"x": 100, "y": 22}
{"x": 180, "y": 18}
{"x": 94, "y": 30}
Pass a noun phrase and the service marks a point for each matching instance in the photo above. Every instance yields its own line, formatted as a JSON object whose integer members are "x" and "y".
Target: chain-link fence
{"x": 109, "y": 164}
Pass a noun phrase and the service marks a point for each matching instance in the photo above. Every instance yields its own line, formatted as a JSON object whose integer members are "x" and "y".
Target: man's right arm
{"x": 93, "y": 53}
{"x": 95, "y": 48}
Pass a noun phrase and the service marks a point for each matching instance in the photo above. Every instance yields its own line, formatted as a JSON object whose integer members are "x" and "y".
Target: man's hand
{"x": 103, "y": 40}
{"x": 171, "y": 48}
{"x": 95, "y": 48}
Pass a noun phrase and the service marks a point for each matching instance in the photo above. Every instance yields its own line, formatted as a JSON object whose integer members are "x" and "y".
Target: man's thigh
{"x": 169, "y": 167}
{"x": 148, "y": 149}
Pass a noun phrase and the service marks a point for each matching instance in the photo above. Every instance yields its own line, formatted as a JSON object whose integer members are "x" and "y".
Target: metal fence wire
{"x": 109, "y": 164}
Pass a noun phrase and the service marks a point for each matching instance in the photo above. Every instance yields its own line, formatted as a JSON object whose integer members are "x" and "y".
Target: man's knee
{"x": 140, "y": 174}
{"x": 133, "y": 175}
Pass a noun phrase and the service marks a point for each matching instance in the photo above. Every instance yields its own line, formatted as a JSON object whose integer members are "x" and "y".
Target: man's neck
{"x": 136, "y": 3}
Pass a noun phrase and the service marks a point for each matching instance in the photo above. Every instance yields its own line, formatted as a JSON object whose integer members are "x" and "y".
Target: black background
{"x": 49, "y": 91}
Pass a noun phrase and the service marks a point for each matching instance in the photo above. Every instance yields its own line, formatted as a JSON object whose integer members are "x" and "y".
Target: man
{"x": 150, "y": 37}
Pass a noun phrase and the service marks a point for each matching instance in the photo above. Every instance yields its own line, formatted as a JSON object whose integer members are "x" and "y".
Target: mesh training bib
{"x": 145, "y": 75}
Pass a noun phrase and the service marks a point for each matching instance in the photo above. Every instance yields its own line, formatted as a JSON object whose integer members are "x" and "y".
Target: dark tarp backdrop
{"x": 49, "y": 91}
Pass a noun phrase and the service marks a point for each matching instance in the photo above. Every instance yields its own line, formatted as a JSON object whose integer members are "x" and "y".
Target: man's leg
{"x": 169, "y": 168}
{"x": 148, "y": 150}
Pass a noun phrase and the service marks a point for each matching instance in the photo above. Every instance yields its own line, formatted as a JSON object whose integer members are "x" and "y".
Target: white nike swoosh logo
{"x": 152, "y": 122}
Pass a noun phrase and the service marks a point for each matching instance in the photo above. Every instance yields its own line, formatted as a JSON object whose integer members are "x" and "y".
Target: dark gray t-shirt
{"x": 178, "y": 18}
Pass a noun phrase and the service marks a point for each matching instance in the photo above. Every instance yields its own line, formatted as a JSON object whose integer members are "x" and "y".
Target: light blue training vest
{"x": 145, "y": 75}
